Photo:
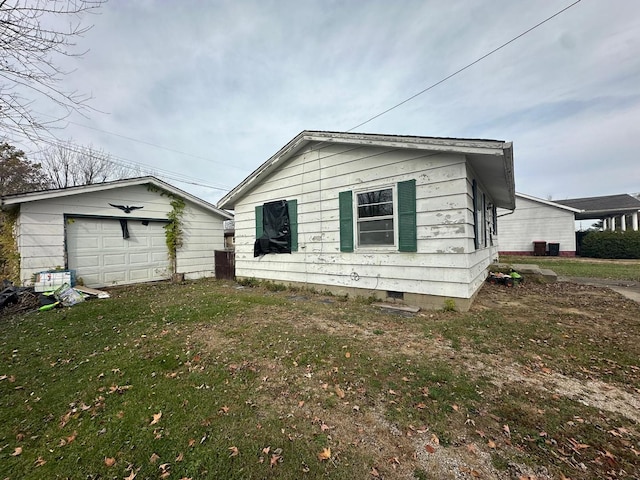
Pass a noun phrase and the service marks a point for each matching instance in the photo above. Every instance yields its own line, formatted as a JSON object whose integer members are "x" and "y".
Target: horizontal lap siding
{"x": 41, "y": 227}
{"x": 533, "y": 221}
{"x": 203, "y": 234}
{"x": 481, "y": 258}
{"x": 439, "y": 267}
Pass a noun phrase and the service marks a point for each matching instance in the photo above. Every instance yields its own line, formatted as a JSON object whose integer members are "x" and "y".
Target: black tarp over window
{"x": 276, "y": 229}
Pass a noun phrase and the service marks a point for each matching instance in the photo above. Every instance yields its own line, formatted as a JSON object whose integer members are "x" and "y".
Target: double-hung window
{"x": 385, "y": 217}
{"x": 375, "y": 218}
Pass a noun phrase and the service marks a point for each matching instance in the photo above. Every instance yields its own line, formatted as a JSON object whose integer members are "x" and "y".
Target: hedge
{"x": 611, "y": 245}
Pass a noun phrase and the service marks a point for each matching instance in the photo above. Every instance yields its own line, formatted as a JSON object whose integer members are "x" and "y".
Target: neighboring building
{"x": 537, "y": 220}
{"x": 617, "y": 212}
{"x": 113, "y": 233}
{"x": 405, "y": 217}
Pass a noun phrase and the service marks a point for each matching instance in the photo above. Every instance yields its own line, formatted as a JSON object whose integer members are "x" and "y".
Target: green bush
{"x": 611, "y": 245}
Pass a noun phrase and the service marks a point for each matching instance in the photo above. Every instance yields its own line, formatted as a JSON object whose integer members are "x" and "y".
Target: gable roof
{"x": 492, "y": 160}
{"x": 548, "y": 202}
{"x": 596, "y": 207}
{"x": 19, "y": 198}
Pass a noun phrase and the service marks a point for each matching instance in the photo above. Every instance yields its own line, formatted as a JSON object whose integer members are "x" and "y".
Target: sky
{"x": 208, "y": 91}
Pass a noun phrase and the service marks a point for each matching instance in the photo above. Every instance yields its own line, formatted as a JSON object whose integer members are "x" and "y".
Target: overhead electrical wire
{"x": 469, "y": 65}
{"x": 127, "y": 163}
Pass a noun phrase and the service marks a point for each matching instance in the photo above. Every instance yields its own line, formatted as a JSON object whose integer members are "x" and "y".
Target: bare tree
{"x": 30, "y": 45}
{"x": 69, "y": 165}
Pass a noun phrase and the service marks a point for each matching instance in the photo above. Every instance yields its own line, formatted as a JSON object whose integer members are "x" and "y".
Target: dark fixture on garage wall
{"x": 126, "y": 208}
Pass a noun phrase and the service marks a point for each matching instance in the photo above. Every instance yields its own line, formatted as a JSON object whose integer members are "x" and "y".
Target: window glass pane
{"x": 376, "y": 225}
{"x": 376, "y": 232}
{"x": 377, "y": 196}
{"x": 376, "y": 238}
{"x": 378, "y": 210}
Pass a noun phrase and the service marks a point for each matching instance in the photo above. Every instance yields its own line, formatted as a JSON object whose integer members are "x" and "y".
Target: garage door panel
{"x": 101, "y": 257}
{"x": 88, "y": 261}
{"x": 113, "y": 242}
{"x": 111, "y": 260}
{"x": 139, "y": 258}
{"x": 139, "y": 275}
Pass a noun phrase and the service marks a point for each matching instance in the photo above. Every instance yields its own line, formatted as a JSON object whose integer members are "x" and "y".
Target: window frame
{"x": 394, "y": 217}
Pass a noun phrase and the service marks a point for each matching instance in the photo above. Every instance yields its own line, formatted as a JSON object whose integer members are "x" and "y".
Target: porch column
{"x": 623, "y": 222}
{"x": 605, "y": 224}
{"x": 634, "y": 221}
{"x": 612, "y": 224}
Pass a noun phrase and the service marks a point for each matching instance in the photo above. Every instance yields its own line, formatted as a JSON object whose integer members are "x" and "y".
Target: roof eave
{"x": 96, "y": 187}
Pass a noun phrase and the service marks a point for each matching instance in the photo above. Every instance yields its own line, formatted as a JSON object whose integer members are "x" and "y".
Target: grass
{"x": 209, "y": 380}
{"x": 583, "y": 267}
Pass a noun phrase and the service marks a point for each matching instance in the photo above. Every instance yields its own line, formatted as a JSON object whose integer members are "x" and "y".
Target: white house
{"x": 537, "y": 220}
{"x": 405, "y": 217}
{"x": 113, "y": 233}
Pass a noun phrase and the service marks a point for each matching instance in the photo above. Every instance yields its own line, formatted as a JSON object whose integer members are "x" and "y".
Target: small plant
{"x": 173, "y": 231}
{"x": 274, "y": 287}
{"x": 249, "y": 282}
{"x": 449, "y": 305}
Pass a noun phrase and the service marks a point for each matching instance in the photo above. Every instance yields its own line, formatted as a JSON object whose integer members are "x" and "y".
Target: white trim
{"x": 548, "y": 202}
{"x": 394, "y": 199}
{"x": 471, "y": 147}
{"x": 97, "y": 187}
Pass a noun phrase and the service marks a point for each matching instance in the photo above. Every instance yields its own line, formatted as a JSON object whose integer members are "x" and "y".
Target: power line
{"x": 125, "y": 162}
{"x": 144, "y": 142}
{"x": 465, "y": 67}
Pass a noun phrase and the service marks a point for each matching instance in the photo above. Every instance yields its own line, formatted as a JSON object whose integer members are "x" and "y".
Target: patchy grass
{"x": 208, "y": 380}
{"x": 583, "y": 267}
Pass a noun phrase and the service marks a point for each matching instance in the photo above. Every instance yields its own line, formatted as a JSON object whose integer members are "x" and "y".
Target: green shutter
{"x": 292, "y": 206}
{"x": 475, "y": 214}
{"x": 346, "y": 221}
{"x": 407, "y": 234}
{"x": 259, "y": 226}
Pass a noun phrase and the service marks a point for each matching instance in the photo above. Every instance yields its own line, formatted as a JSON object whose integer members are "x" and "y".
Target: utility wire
{"x": 465, "y": 67}
{"x": 144, "y": 142}
{"x": 124, "y": 162}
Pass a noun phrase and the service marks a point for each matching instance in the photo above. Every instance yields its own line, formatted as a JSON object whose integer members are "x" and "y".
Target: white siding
{"x": 315, "y": 178}
{"x": 535, "y": 221}
{"x": 41, "y": 229}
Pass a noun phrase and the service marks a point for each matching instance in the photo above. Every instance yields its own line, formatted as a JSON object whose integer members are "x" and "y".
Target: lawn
{"x": 583, "y": 267}
{"x": 209, "y": 379}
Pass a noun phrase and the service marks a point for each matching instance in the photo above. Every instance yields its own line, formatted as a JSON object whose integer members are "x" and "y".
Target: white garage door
{"x": 100, "y": 255}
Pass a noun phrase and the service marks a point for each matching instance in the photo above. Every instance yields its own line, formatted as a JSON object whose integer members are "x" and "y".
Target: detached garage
{"x": 115, "y": 233}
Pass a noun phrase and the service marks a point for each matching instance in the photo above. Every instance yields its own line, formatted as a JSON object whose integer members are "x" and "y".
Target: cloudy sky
{"x": 207, "y": 91}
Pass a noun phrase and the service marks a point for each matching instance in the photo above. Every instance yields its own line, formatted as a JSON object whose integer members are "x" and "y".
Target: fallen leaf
{"x": 455, "y": 407}
{"x": 475, "y": 473}
{"x": 154, "y": 458}
{"x": 324, "y": 427}
{"x": 40, "y": 462}
{"x": 506, "y": 430}
{"x": 17, "y": 452}
{"x": 224, "y": 409}
{"x": 347, "y": 355}
{"x": 491, "y": 444}
{"x": 192, "y": 442}
{"x": 339, "y": 391}
{"x": 392, "y": 392}
{"x": 156, "y": 418}
{"x": 374, "y": 472}
{"x": 131, "y": 476}
{"x": 434, "y": 439}
{"x": 180, "y": 457}
{"x": 274, "y": 460}
{"x": 325, "y": 454}
{"x": 234, "y": 451}
{"x": 429, "y": 448}
{"x": 109, "y": 461}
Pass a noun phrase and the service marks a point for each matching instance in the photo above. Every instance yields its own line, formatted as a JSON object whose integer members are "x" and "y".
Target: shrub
{"x": 611, "y": 244}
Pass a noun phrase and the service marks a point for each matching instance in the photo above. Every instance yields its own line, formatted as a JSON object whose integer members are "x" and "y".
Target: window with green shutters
{"x": 292, "y": 207}
{"x": 377, "y": 216}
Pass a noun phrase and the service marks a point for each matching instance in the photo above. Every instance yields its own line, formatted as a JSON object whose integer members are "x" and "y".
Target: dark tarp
{"x": 276, "y": 236}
